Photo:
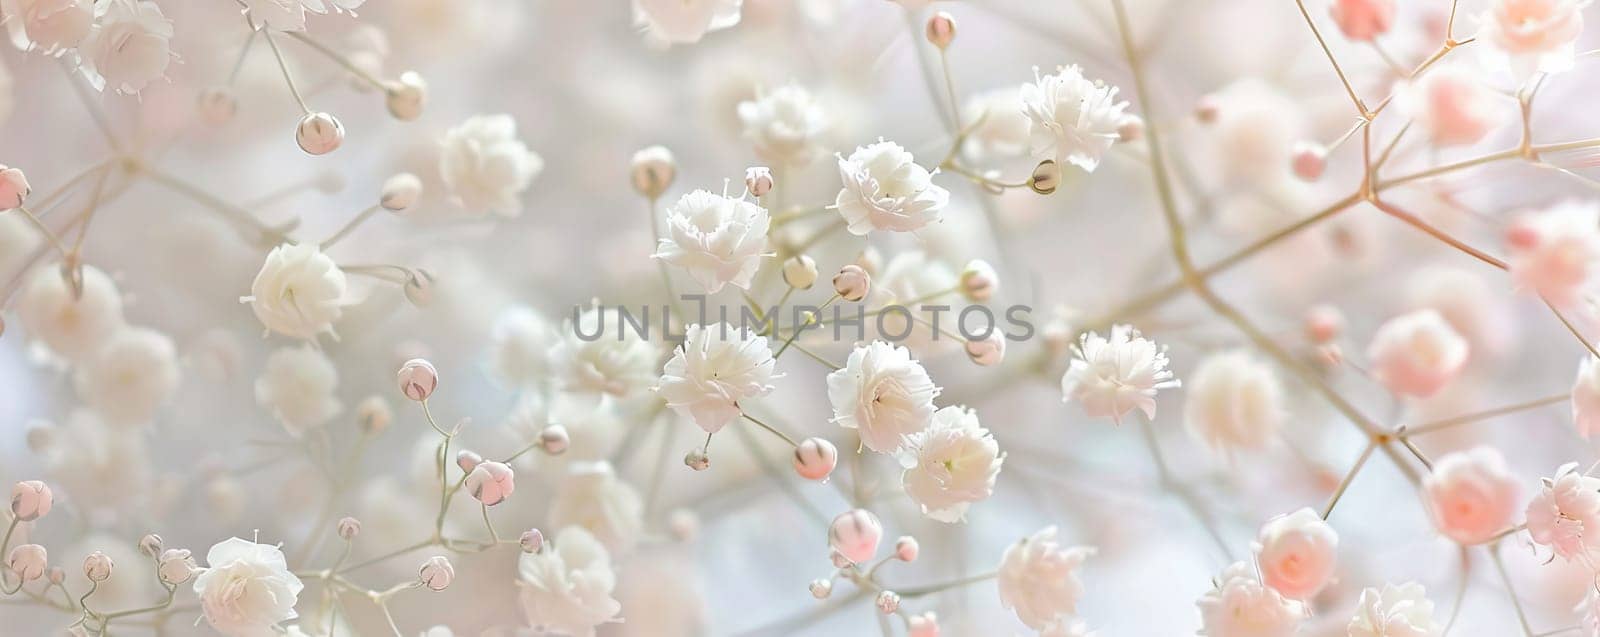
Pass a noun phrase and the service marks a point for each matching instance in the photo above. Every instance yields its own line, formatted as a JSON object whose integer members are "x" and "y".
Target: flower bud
{"x": 319, "y": 133}
{"x": 888, "y": 602}
{"x": 758, "y": 180}
{"x": 532, "y": 540}
{"x": 697, "y": 459}
{"x": 855, "y": 535}
{"x": 467, "y": 460}
{"x": 924, "y": 625}
{"x": 216, "y": 105}
{"x": 1324, "y": 323}
{"x": 554, "y": 440}
{"x": 839, "y": 560}
{"x": 978, "y": 281}
{"x": 1130, "y": 129}
{"x": 800, "y": 272}
{"x": 150, "y": 545}
{"x": 436, "y": 573}
{"x": 906, "y": 548}
{"x": 374, "y": 414}
{"x": 821, "y": 588}
{"x": 852, "y": 283}
{"x": 491, "y": 482}
{"x": 653, "y": 171}
{"x": 418, "y": 379}
{"x": 1046, "y": 177}
{"x": 941, "y": 29}
{"x": 406, "y": 96}
{"x": 56, "y": 575}
{"x": 815, "y": 458}
{"x": 400, "y": 191}
{"x": 13, "y": 187}
{"x": 176, "y": 566}
{"x": 31, "y": 500}
{"x": 349, "y": 528}
{"x": 1309, "y": 160}
{"x": 98, "y": 566}
{"x": 988, "y": 351}
{"x": 1207, "y": 108}
{"x": 419, "y": 288}
{"x": 28, "y": 561}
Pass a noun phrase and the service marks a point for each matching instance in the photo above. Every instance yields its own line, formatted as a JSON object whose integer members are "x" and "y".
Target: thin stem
{"x": 770, "y": 428}
{"x": 282, "y": 66}
{"x": 1361, "y": 108}
{"x": 44, "y": 230}
{"x": 1500, "y": 567}
{"x": 350, "y": 226}
{"x": 1348, "y": 478}
{"x": 339, "y": 58}
{"x": 1481, "y": 415}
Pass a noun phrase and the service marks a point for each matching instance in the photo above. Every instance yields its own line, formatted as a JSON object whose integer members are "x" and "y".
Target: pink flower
{"x": 1531, "y": 36}
{"x": 1296, "y": 553}
{"x": 491, "y": 482}
{"x": 13, "y": 187}
{"x": 1554, "y": 251}
{"x": 1363, "y": 20}
{"x": 855, "y": 535}
{"x": 1471, "y": 495}
{"x": 1586, "y": 397}
{"x": 1240, "y": 606}
{"x": 1452, "y": 105}
{"x": 1417, "y": 354}
{"x": 1565, "y": 513}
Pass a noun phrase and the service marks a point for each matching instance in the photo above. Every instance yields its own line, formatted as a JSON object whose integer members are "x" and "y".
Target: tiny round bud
{"x": 349, "y": 528}
{"x": 888, "y": 602}
{"x": 1046, "y": 177}
{"x": 839, "y": 560}
{"x": 758, "y": 180}
{"x": 13, "y": 188}
{"x": 684, "y": 524}
{"x": 176, "y": 566}
{"x": 697, "y": 459}
{"x": 319, "y": 133}
{"x": 1324, "y": 323}
{"x": 532, "y": 540}
{"x": 855, "y": 535}
{"x": 906, "y": 548}
{"x": 400, "y": 191}
{"x": 150, "y": 545}
{"x": 98, "y": 566}
{"x": 468, "y": 460}
{"x": 31, "y": 500}
{"x": 491, "y": 482}
{"x": 852, "y": 283}
{"x": 374, "y": 414}
{"x": 653, "y": 171}
{"x": 821, "y": 588}
{"x": 1130, "y": 129}
{"x": 418, "y": 379}
{"x": 406, "y": 96}
{"x": 1309, "y": 160}
{"x": 924, "y": 625}
{"x": 56, "y": 575}
{"x": 989, "y": 351}
{"x": 554, "y": 440}
{"x": 941, "y": 29}
{"x": 216, "y": 105}
{"x": 436, "y": 573}
{"x": 978, "y": 280}
{"x": 800, "y": 272}
{"x": 28, "y": 561}
{"x": 815, "y": 458}
{"x": 1207, "y": 108}
{"x": 419, "y": 288}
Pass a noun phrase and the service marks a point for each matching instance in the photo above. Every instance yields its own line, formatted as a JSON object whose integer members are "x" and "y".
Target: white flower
{"x": 593, "y": 497}
{"x": 1471, "y": 495}
{"x": 246, "y": 589}
{"x": 951, "y": 464}
{"x": 1111, "y": 377}
{"x": 1038, "y": 578}
{"x": 885, "y": 189}
{"x": 1554, "y": 252}
{"x": 1074, "y": 120}
{"x": 783, "y": 124}
{"x": 48, "y": 26}
{"x": 684, "y": 21}
{"x": 290, "y": 15}
{"x": 567, "y": 589}
{"x": 1586, "y": 397}
{"x": 716, "y": 367}
{"x": 72, "y": 327}
{"x": 718, "y": 240}
{"x": 438, "y": 631}
{"x": 1240, "y": 606}
{"x": 486, "y": 167}
{"x": 1526, "y": 37}
{"x": 298, "y": 387}
{"x": 1394, "y": 611}
{"x": 882, "y": 393}
{"x": 1005, "y": 131}
{"x": 1296, "y": 553}
{"x": 520, "y": 344}
{"x": 606, "y": 365}
{"x": 128, "y": 46}
{"x": 1234, "y": 401}
{"x": 1066, "y": 626}
{"x": 1417, "y": 354}
{"x": 298, "y": 292}
{"x": 1565, "y": 515}
{"x": 132, "y": 375}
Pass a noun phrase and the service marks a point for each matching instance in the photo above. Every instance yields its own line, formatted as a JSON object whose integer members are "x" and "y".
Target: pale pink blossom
{"x": 1394, "y": 611}
{"x": 1554, "y": 251}
{"x": 1531, "y": 36}
{"x": 1565, "y": 515}
{"x": 1363, "y": 19}
{"x": 1038, "y": 578}
{"x": 491, "y": 482}
{"x": 1452, "y": 105}
{"x": 1471, "y": 495}
{"x": 1112, "y": 376}
{"x": 1296, "y": 553}
{"x": 1417, "y": 354}
{"x": 1239, "y": 605}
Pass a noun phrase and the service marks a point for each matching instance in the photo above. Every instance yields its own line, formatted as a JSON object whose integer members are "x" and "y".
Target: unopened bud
{"x": 554, "y": 440}
{"x": 532, "y": 540}
{"x": 906, "y": 548}
{"x": 852, "y": 283}
{"x": 319, "y": 133}
{"x": 800, "y": 272}
{"x": 653, "y": 171}
{"x": 941, "y": 29}
{"x": 150, "y": 545}
{"x": 436, "y": 573}
{"x": 1046, "y": 177}
{"x": 821, "y": 588}
{"x": 418, "y": 379}
{"x": 349, "y": 528}
{"x": 400, "y": 191}
{"x": 758, "y": 180}
{"x": 888, "y": 602}
{"x": 98, "y": 566}
{"x": 697, "y": 459}
{"x": 31, "y": 500}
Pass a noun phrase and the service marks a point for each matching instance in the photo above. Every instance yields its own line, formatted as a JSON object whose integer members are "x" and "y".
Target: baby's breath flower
{"x": 1394, "y": 610}
{"x": 882, "y": 393}
{"x": 1112, "y": 376}
{"x": 1072, "y": 119}
{"x": 951, "y": 464}
{"x": 1038, "y": 578}
{"x": 719, "y": 240}
{"x": 486, "y": 167}
{"x": 568, "y": 589}
{"x": 716, "y": 367}
{"x": 298, "y": 387}
{"x": 784, "y": 124}
{"x": 885, "y": 189}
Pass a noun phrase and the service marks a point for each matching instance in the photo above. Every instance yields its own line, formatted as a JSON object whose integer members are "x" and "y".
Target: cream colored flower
{"x": 785, "y": 124}
{"x": 1241, "y": 606}
{"x": 298, "y": 387}
{"x": 568, "y": 589}
{"x": 520, "y": 345}
{"x": 1112, "y": 376}
{"x": 1073, "y": 120}
{"x": 299, "y": 291}
{"x": 1394, "y": 611}
{"x": 608, "y": 364}
{"x": 130, "y": 377}
{"x": 716, "y": 367}
{"x": 684, "y": 21}
{"x": 486, "y": 167}
{"x": 128, "y": 47}
{"x": 885, "y": 189}
{"x": 50, "y": 27}
{"x": 75, "y": 328}
{"x": 951, "y": 464}
{"x": 718, "y": 240}
{"x": 246, "y": 589}
{"x": 1531, "y": 36}
{"x": 1038, "y": 578}
{"x": 1234, "y": 402}
{"x": 593, "y": 497}
{"x": 1004, "y": 132}
{"x": 882, "y": 393}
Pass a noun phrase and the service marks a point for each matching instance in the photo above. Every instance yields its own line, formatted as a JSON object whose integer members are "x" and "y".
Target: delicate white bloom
{"x": 299, "y": 291}
{"x": 50, "y": 27}
{"x": 1471, "y": 495}
{"x": 716, "y": 367}
{"x": 1240, "y": 606}
{"x": 567, "y": 589}
{"x": 246, "y": 589}
{"x": 951, "y": 464}
{"x": 1554, "y": 251}
{"x": 1038, "y": 578}
{"x": 1526, "y": 37}
{"x": 1417, "y": 354}
{"x": 290, "y": 15}
{"x": 298, "y": 387}
{"x": 1453, "y": 105}
{"x": 1233, "y": 402}
{"x": 1004, "y": 132}
{"x": 73, "y": 327}
{"x": 520, "y": 343}
{"x": 1112, "y": 376}
{"x": 1565, "y": 516}
{"x": 593, "y": 497}
{"x": 1586, "y": 397}
{"x": 1073, "y": 119}
{"x": 618, "y": 365}
{"x": 1394, "y": 611}
{"x": 719, "y": 240}
{"x": 486, "y": 167}
{"x": 128, "y": 47}
{"x": 684, "y": 21}
{"x": 885, "y": 189}
{"x": 131, "y": 376}
{"x": 882, "y": 393}
{"x": 1296, "y": 553}
{"x": 1589, "y": 608}
{"x": 912, "y": 278}
{"x": 785, "y": 124}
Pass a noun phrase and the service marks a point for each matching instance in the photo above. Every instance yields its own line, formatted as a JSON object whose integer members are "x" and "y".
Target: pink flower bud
{"x": 319, "y": 133}
{"x": 349, "y": 528}
{"x": 653, "y": 171}
{"x": 987, "y": 352}
{"x": 1363, "y": 20}
{"x": 532, "y": 540}
{"x": 1324, "y": 323}
{"x": 978, "y": 280}
{"x": 697, "y": 459}
{"x": 467, "y": 460}
{"x": 31, "y": 500}
{"x": 28, "y": 561}
{"x": 554, "y": 440}
{"x": 406, "y": 96}
{"x": 1522, "y": 234}
{"x": 906, "y": 548}
{"x": 400, "y": 191}
{"x": 491, "y": 482}
{"x": 176, "y": 566}
{"x": 815, "y": 458}
{"x": 13, "y": 187}
{"x": 1309, "y": 159}
{"x": 1207, "y": 108}
{"x": 924, "y": 625}
{"x": 216, "y": 105}
{"x": 941, "y": 29}
{"x": 150, "y": 545}
{"x": 436, "y": 573}
{"x": 821, "y": 588}
{"x": 855, "y": 535}
{"x": 98, "y": 566}
{"x": 888, "y": 602}
{"x": 1130, "y": 129}
{"x": 758, "y": 180}
{"x": 418, "y": 379}
{"x": 852, "y": 283}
